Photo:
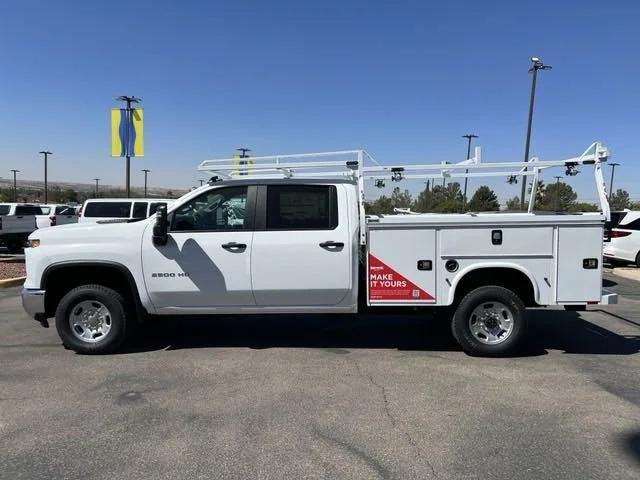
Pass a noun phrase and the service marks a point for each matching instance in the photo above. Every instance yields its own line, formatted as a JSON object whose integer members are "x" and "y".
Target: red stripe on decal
{"x": 387, "y": 284}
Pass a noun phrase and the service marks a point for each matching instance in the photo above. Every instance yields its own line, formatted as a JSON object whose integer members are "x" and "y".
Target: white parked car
{"x": 301, "y": 243}
{"x": 106, "y": 209}
{"x": 622, "y": 241}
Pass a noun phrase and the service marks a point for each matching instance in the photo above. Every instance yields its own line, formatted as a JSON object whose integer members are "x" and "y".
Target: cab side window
{"x": 221, "y": 209}
{"x": 302, "y": 207}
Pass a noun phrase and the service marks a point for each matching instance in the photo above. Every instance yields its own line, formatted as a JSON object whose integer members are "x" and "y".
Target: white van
{"x": 105, "y": 209}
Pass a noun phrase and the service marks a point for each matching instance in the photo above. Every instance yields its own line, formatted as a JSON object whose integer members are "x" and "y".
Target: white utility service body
{"x": 266, "y": 240}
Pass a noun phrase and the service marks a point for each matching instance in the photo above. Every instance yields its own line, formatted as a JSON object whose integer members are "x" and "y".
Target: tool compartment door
{"x": 401, "y": 266}
{"x": 579, "y": 264}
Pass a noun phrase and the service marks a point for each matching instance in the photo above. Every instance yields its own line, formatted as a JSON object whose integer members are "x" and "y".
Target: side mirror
{"x": 161, "y": 226}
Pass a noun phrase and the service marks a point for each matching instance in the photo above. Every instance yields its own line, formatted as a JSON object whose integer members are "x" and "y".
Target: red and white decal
{"x": 387, "y": 284}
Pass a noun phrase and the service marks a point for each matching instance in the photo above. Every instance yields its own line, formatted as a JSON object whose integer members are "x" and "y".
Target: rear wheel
{"x": 92, "y": 319}
{"x": 489, "y": 321}
{"x": 638, "y": 260}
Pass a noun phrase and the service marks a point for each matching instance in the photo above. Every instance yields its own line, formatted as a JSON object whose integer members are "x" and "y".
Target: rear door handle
{"x": 330, "y": 243}
{"x": 234, "y": 246}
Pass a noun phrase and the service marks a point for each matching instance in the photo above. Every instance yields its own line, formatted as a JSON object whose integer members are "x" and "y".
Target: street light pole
{"x": 613, "y": 170}
{"x": 15, "y": 187}
{"x": 146, "y": 171}
{"x": 46, "y": 157}
{"x": 201, "y": 181}
{"x": 97, "y": 180}
{"x": 535, "y": 66}
{"x": 469, "y": 137}
{"x": 557, "y": 193}
{"x": 129, "y": 101}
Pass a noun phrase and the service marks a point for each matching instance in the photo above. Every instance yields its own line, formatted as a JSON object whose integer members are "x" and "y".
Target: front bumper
{"x": 33, "y": 303}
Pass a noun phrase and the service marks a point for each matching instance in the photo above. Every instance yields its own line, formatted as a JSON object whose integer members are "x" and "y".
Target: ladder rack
{"x": 350, "y": 164}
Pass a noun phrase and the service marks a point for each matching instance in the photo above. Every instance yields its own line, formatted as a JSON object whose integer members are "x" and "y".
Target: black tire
{"x": 461, "y": 323}
{"x": 638, "y": 260}
{"x": 118, "y": 322}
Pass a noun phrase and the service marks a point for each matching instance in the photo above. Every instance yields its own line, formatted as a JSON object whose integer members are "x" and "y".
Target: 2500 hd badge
{"x": 169, "y": 275}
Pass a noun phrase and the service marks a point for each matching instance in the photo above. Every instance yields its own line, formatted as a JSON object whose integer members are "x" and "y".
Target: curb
{"x": 12, "y": 282}
{"x": 628, "y": 273}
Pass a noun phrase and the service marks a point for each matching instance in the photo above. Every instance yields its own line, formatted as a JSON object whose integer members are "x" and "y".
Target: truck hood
{"x": 91, "y": 232}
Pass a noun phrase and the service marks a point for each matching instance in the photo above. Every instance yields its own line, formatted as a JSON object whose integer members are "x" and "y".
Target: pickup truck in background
{"x": 289, "y": 235}
{"x": 56, "y": 214}
{"x": 17, "y": 221}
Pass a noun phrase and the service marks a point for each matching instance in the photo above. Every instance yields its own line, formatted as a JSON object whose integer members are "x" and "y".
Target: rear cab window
{"x": 302, "y": 207}
{"x": 107, "y": 209}
{"x": 5, "y": 209}
{"x": 28, "y": 210}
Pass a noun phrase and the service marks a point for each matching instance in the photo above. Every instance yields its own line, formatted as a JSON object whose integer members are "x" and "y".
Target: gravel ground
{"x": 11, "y": 270}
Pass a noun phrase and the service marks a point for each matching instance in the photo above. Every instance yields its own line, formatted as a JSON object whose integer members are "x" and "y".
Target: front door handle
{"x": 331, "y": 244}
{"x": 234, "y": 246}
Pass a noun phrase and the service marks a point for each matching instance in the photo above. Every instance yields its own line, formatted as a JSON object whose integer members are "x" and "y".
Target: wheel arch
{"x": 58, "y": 278}
{"x": 505, "y": 274}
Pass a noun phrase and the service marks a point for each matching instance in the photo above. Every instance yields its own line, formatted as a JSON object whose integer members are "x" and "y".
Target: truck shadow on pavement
{"x": 548, "y": 330}
{"x": 631, "y": 444}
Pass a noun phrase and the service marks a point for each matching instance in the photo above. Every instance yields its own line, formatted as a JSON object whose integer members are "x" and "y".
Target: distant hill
{"x": 62, "y": 192}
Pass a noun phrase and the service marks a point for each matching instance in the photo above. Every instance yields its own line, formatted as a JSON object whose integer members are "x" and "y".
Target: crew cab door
{"x": 301, "y": 248}
{"x": 205, "y": 264}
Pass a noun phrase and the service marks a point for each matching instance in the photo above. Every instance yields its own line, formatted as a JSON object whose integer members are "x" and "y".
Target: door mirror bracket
{"x": 161, "y": 227}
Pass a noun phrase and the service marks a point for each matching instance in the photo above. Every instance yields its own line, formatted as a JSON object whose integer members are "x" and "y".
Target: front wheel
{"x": 92, "y": 319}
{"x": 489, "y": 321}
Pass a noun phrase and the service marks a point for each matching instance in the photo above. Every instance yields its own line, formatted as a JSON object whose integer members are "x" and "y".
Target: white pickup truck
{"x": 288, "y": 235}
{"x": 17, "y": 221}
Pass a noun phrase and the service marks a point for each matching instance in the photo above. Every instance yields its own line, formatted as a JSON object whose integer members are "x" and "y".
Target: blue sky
{"x": 401, "y": 79}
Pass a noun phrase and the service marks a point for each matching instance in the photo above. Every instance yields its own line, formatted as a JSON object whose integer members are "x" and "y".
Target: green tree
{"x": 426, "y": 201}
{"x": 619, "y": 200}
{"x": 556, "y": 197}
{"x": 401, "y": 199}
{"x": 380, "y": 206}
{"x": 6, "y": 195}
{"x": 513, "y": 203}
{"x": 484, "y": 200}
{"x": 584, "y": 207}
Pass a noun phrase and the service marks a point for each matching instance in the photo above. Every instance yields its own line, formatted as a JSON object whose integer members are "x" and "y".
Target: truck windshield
{"x": 107, "y": 209}
{"x": 4, "y": 209}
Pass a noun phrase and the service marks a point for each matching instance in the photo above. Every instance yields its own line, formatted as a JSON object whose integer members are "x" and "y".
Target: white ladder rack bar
{"x": 351, "y": 167}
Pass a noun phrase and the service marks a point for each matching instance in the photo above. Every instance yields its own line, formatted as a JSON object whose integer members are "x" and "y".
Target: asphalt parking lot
{"x": 314, "y": 397}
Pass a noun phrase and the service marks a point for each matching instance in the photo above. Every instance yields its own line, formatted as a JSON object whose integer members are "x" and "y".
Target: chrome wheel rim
{"x": 90, "y": 321}
{"x": 491, "y": 323}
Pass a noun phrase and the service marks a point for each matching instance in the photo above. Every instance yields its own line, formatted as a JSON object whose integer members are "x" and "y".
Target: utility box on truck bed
{"x": 421, "y": 259}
